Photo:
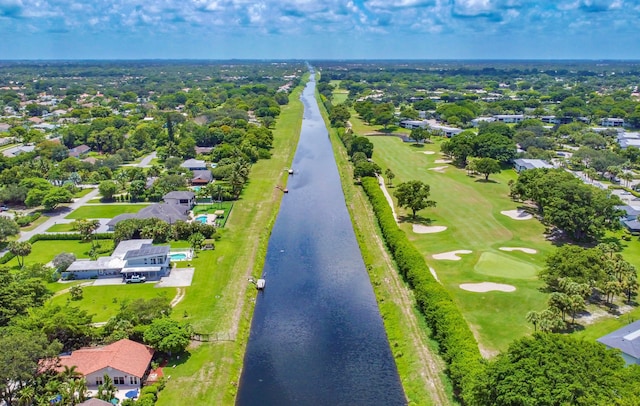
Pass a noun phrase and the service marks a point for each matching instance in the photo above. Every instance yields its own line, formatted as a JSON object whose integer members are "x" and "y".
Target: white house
{"x": 411, "y": 124}
{"x": 612, "y": 122}
{"x": 627, "y": 340}
{"x": 185, "y": 199}
{"x": 125, "y": 361}
{"x": 131, "y": 257}
{"x": 476, "y": 121}
{"x": 509, "y": 118}
{"x": 524, "y": 164}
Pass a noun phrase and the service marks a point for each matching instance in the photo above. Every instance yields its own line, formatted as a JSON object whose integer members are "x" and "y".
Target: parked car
{"x": 136, "y": 279}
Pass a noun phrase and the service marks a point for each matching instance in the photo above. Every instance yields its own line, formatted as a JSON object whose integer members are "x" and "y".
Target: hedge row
{"x": 457, "y": 344}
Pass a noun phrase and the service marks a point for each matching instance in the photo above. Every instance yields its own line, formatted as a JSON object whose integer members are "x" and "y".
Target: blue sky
{"x": 319, "y": 29}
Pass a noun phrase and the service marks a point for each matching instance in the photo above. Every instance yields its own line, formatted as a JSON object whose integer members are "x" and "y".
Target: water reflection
{"x": 316, "y": 336}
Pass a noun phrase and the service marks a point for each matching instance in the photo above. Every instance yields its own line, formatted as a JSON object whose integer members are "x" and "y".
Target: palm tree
{"x": 590, "y": 173}
{"x": 627, "y": 177}
{"x": 389, "y": 175}
{"x": 107, "y": 390}
{"x": 533, "y": 317}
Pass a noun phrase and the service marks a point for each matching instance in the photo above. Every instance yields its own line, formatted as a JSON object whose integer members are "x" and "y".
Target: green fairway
{"x": 493, "y": 264}
{"x": 104, "y": 301}
{"x": 104, "y": 211}
{"x": 470, "y": 209}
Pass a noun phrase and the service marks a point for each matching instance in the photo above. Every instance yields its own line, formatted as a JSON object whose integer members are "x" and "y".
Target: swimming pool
{"x": 178, "y": 257}
{"x": 202, "y": 219}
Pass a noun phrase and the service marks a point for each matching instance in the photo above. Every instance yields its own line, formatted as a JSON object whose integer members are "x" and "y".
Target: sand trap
{"x": 487, "y": 287}
{"x": 451, "y": 255}
{"x": 517, "y": 214}
{"x": 439, "y": 169}
{"x": 443, "y": 161}
{"x": 525, "y": 250}
{"x": 428, "y": 152}
{"x": 420, "y": 229}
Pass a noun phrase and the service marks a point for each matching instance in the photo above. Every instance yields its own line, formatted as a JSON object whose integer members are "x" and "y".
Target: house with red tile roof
{"x": 125, "y": 361}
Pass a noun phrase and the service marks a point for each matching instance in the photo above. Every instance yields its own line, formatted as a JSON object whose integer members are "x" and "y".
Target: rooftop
{"x": 124, "y": 355}
{"x": 626, "y": 339}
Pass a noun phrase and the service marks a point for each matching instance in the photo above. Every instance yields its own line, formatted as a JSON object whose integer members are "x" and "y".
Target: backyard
{"x": 105, "y": 211}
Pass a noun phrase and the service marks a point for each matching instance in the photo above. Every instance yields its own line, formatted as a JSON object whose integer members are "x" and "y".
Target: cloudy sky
{"x": 320, "y": 29}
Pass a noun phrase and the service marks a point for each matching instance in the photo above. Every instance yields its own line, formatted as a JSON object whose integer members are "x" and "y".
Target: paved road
{"x": 59, "y": 217}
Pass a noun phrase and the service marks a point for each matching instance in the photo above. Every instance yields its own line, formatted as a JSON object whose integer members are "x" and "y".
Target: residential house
{"x": 169, "y": 213}
{"x": 15, "y": 151}
{"x": 126, "y": 362}
{"x": 630, "y": 218}
{"x": 194, "y": 165}
{"x": 411, "y": 124}
{"x": 627, "y": 340}
{"x": 509, "y": 118}
{"x": 612, "y": 122}
{"x": 79, "y": 151}
{"x": 185, "y": 199}
{"x": 628, "y": 139}
{"x": 201, "y": 178}
{"x": 203, "y": 150}
{"x": 131, "y": 257}
{"x": 476, "y": 121}
{"x": 524, "y": 164}
{"x": 447, "y": 131}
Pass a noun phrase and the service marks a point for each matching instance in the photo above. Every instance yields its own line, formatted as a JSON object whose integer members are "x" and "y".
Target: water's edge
{"x": 316, "y": 335}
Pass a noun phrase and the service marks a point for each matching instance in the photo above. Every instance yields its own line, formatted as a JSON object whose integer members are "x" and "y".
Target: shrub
{"x": 457, "y": 344}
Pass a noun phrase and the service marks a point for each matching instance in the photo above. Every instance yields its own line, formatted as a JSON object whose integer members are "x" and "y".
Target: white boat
{"x": 260, "y": 284}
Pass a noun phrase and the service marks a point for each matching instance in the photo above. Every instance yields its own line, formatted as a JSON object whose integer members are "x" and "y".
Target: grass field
{"x": 470, "y": 209}
{"x": 105, "y": 211}
{"x": 35, "y": 223}
{"x": 82, "y": 192}
{"x": 104, "y": 301}
{"x": 60, "y": 228}
{"x": 44, "y": 251}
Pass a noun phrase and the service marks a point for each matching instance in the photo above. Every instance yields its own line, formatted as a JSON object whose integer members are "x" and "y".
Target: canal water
{"x": 317, "y": 337}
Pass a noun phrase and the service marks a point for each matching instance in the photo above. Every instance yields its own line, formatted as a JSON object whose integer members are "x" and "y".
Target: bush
{"x": 457, "y": 344}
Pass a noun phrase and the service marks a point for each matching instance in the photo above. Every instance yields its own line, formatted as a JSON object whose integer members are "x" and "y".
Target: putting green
{"x": 494, "y": 264}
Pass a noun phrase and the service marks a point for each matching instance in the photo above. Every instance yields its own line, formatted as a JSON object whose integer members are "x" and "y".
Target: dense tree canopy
{"x": 553, "y": 370}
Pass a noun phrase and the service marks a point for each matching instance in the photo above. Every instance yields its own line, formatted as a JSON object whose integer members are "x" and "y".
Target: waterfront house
{"x": 126, "y": 362}
{"x": 131, "y": 257}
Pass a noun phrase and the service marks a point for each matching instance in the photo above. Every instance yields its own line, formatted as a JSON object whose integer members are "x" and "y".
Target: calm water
{"x": 316, "y": 336}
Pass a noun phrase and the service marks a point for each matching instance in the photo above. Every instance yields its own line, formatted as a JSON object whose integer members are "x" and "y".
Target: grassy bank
{"x": 420, "y": 368}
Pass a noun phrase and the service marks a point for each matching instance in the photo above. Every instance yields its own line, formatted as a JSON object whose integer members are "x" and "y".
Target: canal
{"x": 317, "y": 337}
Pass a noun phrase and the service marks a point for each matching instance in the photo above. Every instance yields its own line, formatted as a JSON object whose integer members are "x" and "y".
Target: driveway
{"x": 178, "y": 278}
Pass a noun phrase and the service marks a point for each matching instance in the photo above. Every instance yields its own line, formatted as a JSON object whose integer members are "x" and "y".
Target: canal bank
{"x": 316, "y": 336}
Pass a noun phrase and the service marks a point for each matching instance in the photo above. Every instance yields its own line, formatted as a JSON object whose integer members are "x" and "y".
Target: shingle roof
{"x": 165, "y": 212}
{"x": 124, "y": 355}
{"x": 95, "y": 402}
{"x": 179, "y": 194}
{"x": 626, "y": 339}
{"x": 193, "y": 163}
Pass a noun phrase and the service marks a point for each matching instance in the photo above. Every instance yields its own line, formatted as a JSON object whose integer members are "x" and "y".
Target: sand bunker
{"x": 443, "y": 161}
{"x": 439, "y": 169}
{"x": 451, "y": 255}
{"x": 517, "y": 214}
{"x": 487, "y": 287}
{"x": 428, "y": 152}
{"x": 525, "y": 250}
{"x": 420, "y": 229}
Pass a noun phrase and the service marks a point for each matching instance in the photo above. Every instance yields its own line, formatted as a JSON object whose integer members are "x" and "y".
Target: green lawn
{"x": 104, "y": 211}
{"x": 500, "y": 265}
{"x": 35, "y": 223}
{"x": 471, "y": 212}
{"x": 83, "y": 192}
{"x": 44, "y": 251}
{"x": 104, "y": 301}
{"x": 60, "y": 228}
